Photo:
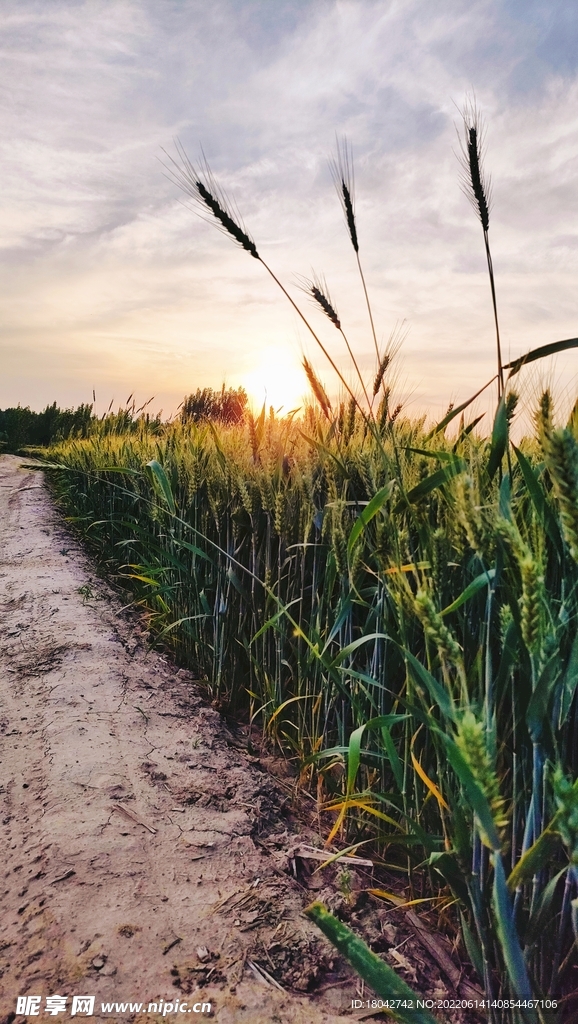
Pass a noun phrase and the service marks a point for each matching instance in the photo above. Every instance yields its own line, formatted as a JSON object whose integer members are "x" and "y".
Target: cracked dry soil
{"x": 129, "y": 866}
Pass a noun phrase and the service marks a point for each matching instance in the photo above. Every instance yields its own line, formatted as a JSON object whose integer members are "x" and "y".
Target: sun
{"x": 277, "y": 380}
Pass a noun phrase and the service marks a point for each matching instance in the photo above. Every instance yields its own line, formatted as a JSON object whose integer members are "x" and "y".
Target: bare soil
{"x": 139, "y": 859}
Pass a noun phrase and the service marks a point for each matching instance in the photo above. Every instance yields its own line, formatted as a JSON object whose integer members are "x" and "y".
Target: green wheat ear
{"x": 471, "y": 516}
{"x": 471, "y": 740}
{"x": 531, "y": 603}
{"x": 566, "y": 797}
{"x": 435, "y": 628}
{"x": 532, "y": 577}
{"x": 544, "y": 418}
{"x": 561, "y": 458}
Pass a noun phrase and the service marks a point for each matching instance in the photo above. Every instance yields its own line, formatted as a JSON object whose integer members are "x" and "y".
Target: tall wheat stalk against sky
{"x": 477, "y": 187}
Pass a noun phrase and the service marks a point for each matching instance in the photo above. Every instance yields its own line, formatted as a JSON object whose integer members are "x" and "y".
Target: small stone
{"x": 203, "y": 953}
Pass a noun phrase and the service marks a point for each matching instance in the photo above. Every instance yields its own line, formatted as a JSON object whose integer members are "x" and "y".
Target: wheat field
{"x": 393, "y": 604}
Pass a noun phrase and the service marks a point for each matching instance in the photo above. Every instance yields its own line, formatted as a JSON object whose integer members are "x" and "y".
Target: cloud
{"x": 107, "y": 278}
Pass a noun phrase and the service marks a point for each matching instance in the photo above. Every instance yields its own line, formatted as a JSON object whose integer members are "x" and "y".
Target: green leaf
{"x": 370, "y": 510}
{"x": 341, "y": 751}
{"x": 342, "y": 612}
{"x": 149, "y": 544}
{"x": 447, "y": 865}
{"x": 509, "y": 940}
{"x": 428, "y": 840}
{"x": 499, "y": 439}
{"x": 160, "y": 483}
{"x": 389, "y": 745}
{"x": 432, "y": 454}
{"x": 236, "y": 582}
{"x": 354, "y": 748}
{"x": 472, "y": 946}
{"x": 179, "y": 622}
{"x": 474, "y": 793}
{"x": 437, "y": 693}
{"x": 431, "y": 483}
{"x": 467, "y": 430}
{"x": 381, "y": 978}
{"x": 537, "y": 712}
{"x": 354, "y": 757}
{"x": 542, "y": 912}
{"x": 540, "y": 353}
{"x": 569, "y": 682}
{"x": 394, "y": 759}
{"x": 345, "y": 651}
{"x": 274, "y": 619}
{"x": 537, "y": 857}
{"x": 455, "y": 412}
{"x": 541, "y": 503}
{"x": 480, "y": 581}
{"x": 195, "y": 550}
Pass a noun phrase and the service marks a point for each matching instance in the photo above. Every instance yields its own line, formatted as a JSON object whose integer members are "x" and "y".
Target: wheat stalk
{"x": 477, "y": 188}
{"x": 341, "y": 167}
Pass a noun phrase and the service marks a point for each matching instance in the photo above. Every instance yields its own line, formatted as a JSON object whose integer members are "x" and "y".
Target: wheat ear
{"x": 477, "y": 187}
{"x": 341, "y": 167}
{"x": 317, "y": 388}
{"x": 209, "y": 196}
{"x": 316, "y": 287}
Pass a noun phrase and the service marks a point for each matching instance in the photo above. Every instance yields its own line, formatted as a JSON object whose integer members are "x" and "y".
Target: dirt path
{"x": 128, "y": 818}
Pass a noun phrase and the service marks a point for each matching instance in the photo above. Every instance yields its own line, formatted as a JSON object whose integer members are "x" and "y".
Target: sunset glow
{"x": 277, "y": 380}
{"x": 110, "y": 284}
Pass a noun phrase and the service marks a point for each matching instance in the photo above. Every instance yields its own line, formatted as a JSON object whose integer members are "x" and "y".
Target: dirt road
{"x": 128, "y": 818}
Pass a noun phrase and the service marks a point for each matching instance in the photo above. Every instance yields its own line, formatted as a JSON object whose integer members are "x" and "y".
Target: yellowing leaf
{"x": 400, "y": 903}
{"x": 425, "y": 778}
{"x": 365, "y": 806}
{"x": 407, "y": 568}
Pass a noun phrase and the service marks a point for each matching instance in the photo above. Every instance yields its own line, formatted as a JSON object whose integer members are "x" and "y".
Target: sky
{"x": 109, "y": 283}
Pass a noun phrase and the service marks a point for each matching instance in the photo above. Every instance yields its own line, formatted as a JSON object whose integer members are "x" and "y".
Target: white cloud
{"x": 108, "y": 280}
